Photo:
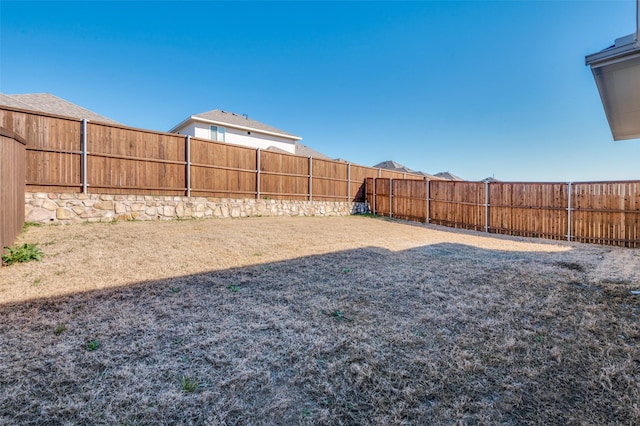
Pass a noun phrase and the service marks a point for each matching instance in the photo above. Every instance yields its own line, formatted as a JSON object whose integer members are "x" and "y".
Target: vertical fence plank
{"x": 12, "y": 186}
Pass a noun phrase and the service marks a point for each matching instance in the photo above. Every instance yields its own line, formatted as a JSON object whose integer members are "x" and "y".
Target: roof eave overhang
{"x": 616, "y": 71}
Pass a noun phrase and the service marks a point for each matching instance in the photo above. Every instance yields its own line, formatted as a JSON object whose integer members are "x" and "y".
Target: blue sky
{"x": 475, "y": 88}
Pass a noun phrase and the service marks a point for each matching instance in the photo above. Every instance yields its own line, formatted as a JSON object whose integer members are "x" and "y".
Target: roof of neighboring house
{"x": 309, "y": 152}
{"x": 448, "y": 176}
{"x": 301, "y": 150}
{"x": 46, "y": 102}
{"x": 231, "y": 119}
{"x": 9, "y": 101}
{"x": 490, "y": 179}
{"x": 397, "y": 167}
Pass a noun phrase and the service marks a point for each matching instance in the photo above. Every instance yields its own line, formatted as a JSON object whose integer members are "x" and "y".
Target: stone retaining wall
{"x": 75, "y": 208}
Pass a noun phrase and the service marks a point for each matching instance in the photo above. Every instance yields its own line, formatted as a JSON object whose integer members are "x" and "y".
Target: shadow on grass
{"x": 436, "y": 334}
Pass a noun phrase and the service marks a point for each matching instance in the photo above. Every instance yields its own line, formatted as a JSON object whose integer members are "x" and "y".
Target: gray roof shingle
{"x": 46, "y": 102}
{"x": 448, "y": 176}
{"x": 397, "y": 167}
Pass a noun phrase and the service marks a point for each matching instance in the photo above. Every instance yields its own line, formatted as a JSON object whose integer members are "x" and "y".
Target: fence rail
{"x": 12, "y": 183}
{"x": 591, "y": 212}
{"x": 71, "y": 155}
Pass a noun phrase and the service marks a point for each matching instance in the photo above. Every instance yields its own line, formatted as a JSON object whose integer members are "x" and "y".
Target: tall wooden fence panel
{"x": 358, "y": 186}
{"x": 53, "y": 149}
{"x": 222, "y": 170}
{"x": 284, "y": 176}
{"x": 592, "y": 212}
{"x": 410, "y": 199}
{"x": 12, "y": 186}
{"x": 330, "y": 180}
{"x": 70, "y": 155}
{"x": 528, "y": 209}
{"x": 122, "y": 159}
{"x": 382, "y": 197}
{"x": 606, "y": 213}
{"x": 458, "y": 204}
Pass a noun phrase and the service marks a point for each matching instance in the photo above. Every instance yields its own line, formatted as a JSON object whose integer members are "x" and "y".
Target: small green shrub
{"x": 21, "y": 254}
{"x": 234, "y": 288}
{"x": 188, "y": 384}
{"x": 61, "y": 328}
{"x": 93, "y": 345}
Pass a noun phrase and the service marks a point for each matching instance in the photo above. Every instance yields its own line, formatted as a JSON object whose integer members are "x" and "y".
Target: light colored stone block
{"x": 180, "y": 209}
{"x": 103, "y": 205}
{"x": 63, "y": 214}
{"x": 37, "y": 215}
{"x": 120, "y": 208}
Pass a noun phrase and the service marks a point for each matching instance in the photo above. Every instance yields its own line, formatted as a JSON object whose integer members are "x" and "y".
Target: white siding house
{"x": 228, "y": 127}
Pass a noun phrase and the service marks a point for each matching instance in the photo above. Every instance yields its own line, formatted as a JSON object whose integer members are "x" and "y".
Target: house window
{"x": 217, "y": 133}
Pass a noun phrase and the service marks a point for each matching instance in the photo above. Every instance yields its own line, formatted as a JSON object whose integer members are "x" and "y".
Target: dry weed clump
{"x": 433, "y": 332}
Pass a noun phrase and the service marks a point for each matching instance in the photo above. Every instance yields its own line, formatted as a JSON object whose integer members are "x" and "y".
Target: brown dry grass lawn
{"x": 316, "y": 321}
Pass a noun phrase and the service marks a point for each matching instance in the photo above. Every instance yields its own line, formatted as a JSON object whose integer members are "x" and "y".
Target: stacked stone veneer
{"x": 75, "y": 208}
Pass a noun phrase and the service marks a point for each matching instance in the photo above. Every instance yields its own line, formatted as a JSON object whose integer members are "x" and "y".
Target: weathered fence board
{"x": 330, "y": 180}
{"x": 122, "y": 159}
{"x": 606, "y": 213}
{"x": 284, "y": 176}
{"x": 12, "y": 186}
{"x": 528, "y": 209}
{"x": 457, "y": 204}
{"x": 222, "y": 170}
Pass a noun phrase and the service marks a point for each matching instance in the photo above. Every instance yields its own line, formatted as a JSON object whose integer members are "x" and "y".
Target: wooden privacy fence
{"x": 71, "y": 155}
{"x": 591, "y": 212}
{"x": 12, "y": 183}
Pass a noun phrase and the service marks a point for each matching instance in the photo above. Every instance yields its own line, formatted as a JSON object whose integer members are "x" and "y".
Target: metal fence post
{"x": 428, "y": 196}
{"x": 349, "y": 182}
{"x": 310, "y": 178}
{"x": 258, "y": 174}
{"x": 486, "y": 206}
{"x": 187, "y": 154}
{"x": 83, "y": 143}
{"x": 569, "y": 213}
{"x": 390, "y": 197}
{"x": 375, "y": 207}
